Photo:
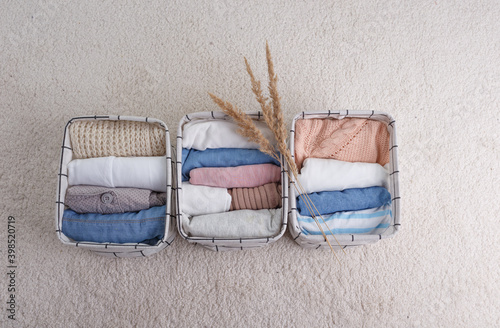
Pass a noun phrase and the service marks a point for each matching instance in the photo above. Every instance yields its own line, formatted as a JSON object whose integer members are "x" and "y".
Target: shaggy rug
{"x": 434, "y": 65}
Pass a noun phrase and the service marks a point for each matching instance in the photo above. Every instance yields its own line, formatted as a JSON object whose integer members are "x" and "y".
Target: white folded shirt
{"x": 320, "y": 174}
{"x": 201, "y": 134}
{"x": 198, "y": 200}
{"x": 234, "y": 224}
{"x": 131, "y": 172}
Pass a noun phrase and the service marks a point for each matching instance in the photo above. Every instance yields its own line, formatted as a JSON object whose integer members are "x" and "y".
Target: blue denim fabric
{"x": 146, "y": 226}
{"x": 221, "y": 157}
{"x": 355, "y": 199}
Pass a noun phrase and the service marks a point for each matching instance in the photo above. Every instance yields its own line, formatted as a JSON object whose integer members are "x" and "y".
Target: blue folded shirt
{"x": 221, "y": 157}
{"x": 355, "y": 199}
{"x": 146, "y": 226}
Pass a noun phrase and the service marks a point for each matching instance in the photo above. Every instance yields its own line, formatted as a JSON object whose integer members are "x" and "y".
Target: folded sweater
{"x": 104, "y": 138}
{"x": 262, "y": 197}
{"x": 348, "y": 139}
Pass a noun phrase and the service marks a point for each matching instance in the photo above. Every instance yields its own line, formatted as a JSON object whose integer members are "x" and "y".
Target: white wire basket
{"x": 346, "y": 240}
{"x": 114, "y": 250}
{"x": 224, "y": 244}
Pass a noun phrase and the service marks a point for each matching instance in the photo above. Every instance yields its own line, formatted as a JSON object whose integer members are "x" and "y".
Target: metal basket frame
{"x": 224, "y": 244}
{"x": 318, "y": 241}
{"x": 114, "y": 249}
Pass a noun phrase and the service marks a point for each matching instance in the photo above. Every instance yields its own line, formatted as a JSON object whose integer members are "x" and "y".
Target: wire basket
{"x": 345, "y": 240}
{"x": 214, "y": 243}
{"x": 114, "y": 249}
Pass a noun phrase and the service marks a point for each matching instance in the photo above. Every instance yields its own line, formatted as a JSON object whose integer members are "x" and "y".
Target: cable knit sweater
{"x": 349, "y": 139}
{"x": 91, "y": 139}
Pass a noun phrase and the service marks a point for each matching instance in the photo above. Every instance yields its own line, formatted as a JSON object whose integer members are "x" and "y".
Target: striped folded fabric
{"x": 371, "y": 221}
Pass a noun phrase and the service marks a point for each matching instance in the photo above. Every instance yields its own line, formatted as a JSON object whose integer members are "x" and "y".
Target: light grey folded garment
{"x": 234, "y": 224}
{"x": 104, "y": 200}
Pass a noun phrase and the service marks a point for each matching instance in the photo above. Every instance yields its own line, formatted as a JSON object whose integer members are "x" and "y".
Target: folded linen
{"x": 349, "y": 139}
{"x": 234, "y": 224}
{"x": 262, "y": 197}
{"x": 146, "y": 226}
{"x": 246, "y": 176}
{"x": 203, "y": 134}
{"x": 94, "y": 199}
{"x": 221, "y": 157}
{"x": 131, "y": 172}
{"x": 329, "y": 175}
{"x": 104, "y": 138}
{"x": 198, "y": 200}
{"x": 327, "y": 202}
{"x": 370, "y": 221}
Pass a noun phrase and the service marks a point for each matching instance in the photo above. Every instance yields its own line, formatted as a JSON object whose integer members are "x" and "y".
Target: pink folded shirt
{"x": 246, "y": 176}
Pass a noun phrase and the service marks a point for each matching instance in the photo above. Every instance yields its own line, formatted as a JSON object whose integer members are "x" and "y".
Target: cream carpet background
{"x": 434, "y": 65}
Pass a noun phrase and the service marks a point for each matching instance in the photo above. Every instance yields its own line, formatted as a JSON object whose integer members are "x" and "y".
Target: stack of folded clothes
{"x": 343, "y": 172}
{"x": 230, "y": 189}
{"x": 117, "y": 182}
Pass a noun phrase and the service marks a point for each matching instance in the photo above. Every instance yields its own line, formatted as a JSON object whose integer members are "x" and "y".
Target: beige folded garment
{"x": 266, "y": 196}
{"x": 91, "y": 139}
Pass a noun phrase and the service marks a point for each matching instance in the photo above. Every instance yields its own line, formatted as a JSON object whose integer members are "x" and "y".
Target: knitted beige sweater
{"x": 266, "y": 196}
{"x": 116, "y": 138}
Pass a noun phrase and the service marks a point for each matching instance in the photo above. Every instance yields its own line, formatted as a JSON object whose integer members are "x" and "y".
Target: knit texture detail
{"x": 349, "y": 139}
{"x": 257, "y": 198}
{"x": 91, "y": 139}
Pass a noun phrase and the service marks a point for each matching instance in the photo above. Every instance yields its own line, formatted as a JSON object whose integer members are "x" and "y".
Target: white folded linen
{"x": 234, "y": 224}
{"x": 201, "y": 134}
{"x": 131, "y": 172}
{"x": 320, "y": 174}
{"x": 198, "y": 200}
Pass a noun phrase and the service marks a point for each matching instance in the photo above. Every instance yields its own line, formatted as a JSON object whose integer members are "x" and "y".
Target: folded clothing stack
{"x": 343, "y": 173}
{"x": 230, "y": 189}
{"x": 117, "y": 183}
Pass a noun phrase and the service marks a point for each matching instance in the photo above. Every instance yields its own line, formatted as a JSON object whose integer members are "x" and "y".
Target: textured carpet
{"x": 434, "y": 65}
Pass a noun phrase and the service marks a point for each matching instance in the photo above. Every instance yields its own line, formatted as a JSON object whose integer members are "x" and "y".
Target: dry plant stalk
{"x": 273, "y": 116}
{"x": 246, "y": 126}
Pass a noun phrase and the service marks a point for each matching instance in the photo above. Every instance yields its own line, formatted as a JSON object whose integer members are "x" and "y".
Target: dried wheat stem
{"x": 278, "y": 125}
{"x": 246, "y": 126}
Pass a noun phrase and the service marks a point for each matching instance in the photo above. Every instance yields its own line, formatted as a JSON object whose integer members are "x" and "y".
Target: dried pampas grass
{"x": 246, "y": 126}
{"x": 273, "y": 116}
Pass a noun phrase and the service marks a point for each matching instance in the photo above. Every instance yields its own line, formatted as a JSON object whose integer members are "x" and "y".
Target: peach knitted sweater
{"x": 91, "y": 139}
{"x": 349, "y": 139}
